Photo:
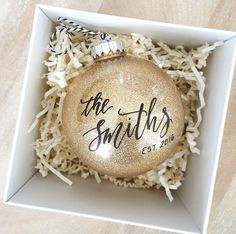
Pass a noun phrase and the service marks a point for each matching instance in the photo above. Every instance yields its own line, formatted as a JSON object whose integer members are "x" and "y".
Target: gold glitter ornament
{"x": 124, "y": 116}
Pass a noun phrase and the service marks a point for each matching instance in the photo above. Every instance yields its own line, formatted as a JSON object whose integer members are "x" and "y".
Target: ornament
{"x": 124, "y": 115}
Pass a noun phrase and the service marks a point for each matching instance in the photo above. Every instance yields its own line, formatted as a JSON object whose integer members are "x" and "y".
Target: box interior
{"x": 190, "y": 210}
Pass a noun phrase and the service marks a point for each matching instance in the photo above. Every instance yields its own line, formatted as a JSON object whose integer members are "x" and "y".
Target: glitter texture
{"x": 126, "y": 83}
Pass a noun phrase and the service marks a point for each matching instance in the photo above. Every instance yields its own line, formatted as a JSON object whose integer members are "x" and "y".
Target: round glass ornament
{"x": 124, "y": 115}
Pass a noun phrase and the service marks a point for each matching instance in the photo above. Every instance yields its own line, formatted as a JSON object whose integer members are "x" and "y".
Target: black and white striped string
{"x": 69, "y": 27}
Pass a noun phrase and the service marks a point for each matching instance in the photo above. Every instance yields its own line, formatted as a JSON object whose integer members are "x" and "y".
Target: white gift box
{"x": 189, "y": 213}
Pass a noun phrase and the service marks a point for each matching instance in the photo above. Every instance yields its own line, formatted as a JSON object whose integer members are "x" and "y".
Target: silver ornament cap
{"x": 107, "y": 50}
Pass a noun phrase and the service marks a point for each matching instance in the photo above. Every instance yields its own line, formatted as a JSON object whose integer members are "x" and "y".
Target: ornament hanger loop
{"x": 69, "y": 27}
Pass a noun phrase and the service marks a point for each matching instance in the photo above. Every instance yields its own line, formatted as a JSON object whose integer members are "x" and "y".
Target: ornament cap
{"x": 107, "y": 50}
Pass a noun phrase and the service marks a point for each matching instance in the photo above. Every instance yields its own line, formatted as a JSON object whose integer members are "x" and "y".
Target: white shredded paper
{"x": 183, "y": 66}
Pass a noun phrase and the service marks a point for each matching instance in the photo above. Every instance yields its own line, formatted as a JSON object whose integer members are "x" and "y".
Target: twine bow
{"x": 69, "y": 27}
